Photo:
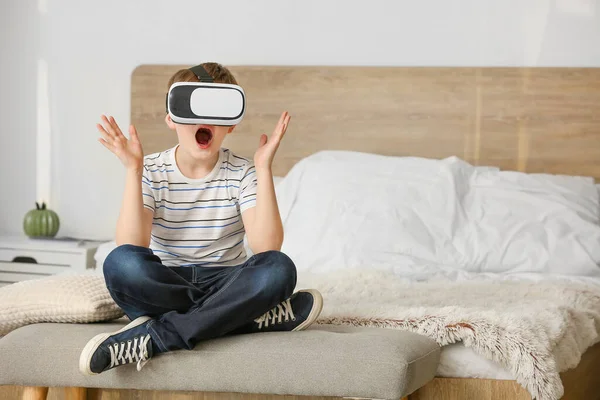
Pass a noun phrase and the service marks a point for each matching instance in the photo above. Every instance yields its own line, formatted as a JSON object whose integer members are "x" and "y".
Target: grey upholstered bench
{"x": 324, "y": 360}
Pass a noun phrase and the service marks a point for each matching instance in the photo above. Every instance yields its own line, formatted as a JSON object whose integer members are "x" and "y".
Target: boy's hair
{"x": 219, "y": 73}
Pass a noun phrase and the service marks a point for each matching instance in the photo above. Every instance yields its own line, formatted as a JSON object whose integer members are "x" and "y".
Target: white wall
{"x": 92, "y": 47}
{"x": 19, "y": 46}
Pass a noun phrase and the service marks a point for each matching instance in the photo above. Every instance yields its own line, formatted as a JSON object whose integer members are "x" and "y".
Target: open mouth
{"x": 204, "y": 137}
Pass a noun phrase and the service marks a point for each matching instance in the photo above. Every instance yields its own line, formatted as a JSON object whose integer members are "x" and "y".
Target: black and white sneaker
{"x": 130, "y": 344}
{"x": 294, "y": 314}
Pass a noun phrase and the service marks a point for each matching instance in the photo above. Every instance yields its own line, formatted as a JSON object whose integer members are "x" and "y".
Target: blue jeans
{"x": 190, "y": 304}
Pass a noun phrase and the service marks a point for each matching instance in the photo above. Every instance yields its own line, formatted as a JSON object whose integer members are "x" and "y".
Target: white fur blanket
{"x": 534, "y": 329}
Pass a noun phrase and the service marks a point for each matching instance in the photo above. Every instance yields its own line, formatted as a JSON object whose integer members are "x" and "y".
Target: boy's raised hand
{"x": 129, "y": 151}
{"x": 263, "y": 158}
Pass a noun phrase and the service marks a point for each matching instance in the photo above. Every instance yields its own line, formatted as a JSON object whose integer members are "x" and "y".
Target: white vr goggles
{"x": 205, "y": 102}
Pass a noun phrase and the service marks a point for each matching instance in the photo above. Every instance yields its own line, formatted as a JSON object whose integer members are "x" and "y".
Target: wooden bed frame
{"x": 538, "y": 120}
{"x": 525, "y": 119}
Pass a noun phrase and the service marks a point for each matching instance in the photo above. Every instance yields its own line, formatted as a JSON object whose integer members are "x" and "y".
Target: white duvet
{"x": 424, "y": 218}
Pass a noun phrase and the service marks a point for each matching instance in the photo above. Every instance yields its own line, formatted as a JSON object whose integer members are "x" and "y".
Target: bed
{"x": 533, "y": 120}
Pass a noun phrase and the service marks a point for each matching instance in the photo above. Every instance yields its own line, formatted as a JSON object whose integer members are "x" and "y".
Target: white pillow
{"x": 407, "y": 214}
{"x": 59, "y": 298}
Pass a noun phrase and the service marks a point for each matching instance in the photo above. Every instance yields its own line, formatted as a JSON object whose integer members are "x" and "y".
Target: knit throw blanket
{"x": 534, "y": 329}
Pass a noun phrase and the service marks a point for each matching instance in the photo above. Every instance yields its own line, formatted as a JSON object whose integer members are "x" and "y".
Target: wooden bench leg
{"x": 35, "y": 393}
{"x": 75, "y": 393}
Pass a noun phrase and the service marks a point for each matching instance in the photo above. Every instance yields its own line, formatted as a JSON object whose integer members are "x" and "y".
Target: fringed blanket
{"x": 534, "y": 329}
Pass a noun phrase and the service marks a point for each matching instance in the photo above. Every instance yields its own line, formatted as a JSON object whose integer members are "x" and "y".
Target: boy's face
{"x": 202, "y": 142}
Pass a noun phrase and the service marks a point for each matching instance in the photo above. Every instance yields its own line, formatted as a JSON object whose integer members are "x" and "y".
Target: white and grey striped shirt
{"x": 198, "y": 221}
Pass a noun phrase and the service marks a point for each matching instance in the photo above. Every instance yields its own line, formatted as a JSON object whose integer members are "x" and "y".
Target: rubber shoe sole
{"x": 314, "y": 312}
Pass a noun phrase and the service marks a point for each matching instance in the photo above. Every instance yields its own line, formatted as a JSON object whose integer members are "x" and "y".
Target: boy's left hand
{"x": 263, "y": 158}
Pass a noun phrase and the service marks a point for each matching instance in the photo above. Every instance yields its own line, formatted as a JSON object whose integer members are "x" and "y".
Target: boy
{"x": 180, "y": 271}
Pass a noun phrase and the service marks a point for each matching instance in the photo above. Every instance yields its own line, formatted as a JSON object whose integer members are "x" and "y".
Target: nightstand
{"x": 23, "y": 258}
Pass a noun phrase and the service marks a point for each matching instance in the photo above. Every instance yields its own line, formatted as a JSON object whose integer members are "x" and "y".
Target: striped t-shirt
{"x": 198, "y": 221}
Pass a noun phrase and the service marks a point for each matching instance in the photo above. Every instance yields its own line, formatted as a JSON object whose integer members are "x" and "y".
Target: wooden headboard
{"x": 525, "y": 119}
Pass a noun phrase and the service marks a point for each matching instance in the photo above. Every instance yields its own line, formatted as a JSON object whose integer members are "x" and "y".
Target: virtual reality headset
{"x": 205, "y": 102}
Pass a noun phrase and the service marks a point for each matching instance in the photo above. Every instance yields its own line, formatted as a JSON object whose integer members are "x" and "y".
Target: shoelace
{"x": 130, "y": 351}
{"x": 278, "y": 314}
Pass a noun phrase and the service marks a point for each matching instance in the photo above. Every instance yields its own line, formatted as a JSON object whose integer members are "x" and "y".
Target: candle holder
{"x": 41, "y": 222}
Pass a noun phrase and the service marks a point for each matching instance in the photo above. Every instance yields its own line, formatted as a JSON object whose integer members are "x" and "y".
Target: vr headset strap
{"x": 201, "y": 73}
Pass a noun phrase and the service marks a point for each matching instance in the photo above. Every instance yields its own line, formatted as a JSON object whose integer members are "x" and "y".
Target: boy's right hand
{"x": 129, "y": 151}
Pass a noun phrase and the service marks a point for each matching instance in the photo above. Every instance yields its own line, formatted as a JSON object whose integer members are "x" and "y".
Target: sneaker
{"x": 130, "y": 344}
{"x": 294, "y": 314}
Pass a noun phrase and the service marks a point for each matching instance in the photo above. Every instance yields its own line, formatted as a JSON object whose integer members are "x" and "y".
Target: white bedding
{"x": 490, "y": 224}
{"x": 459, "y": 361}
{"x": 419, "y": 217}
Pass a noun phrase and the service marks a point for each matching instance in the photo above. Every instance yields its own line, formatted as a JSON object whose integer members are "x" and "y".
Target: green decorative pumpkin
{"x": 41, "y": 222}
